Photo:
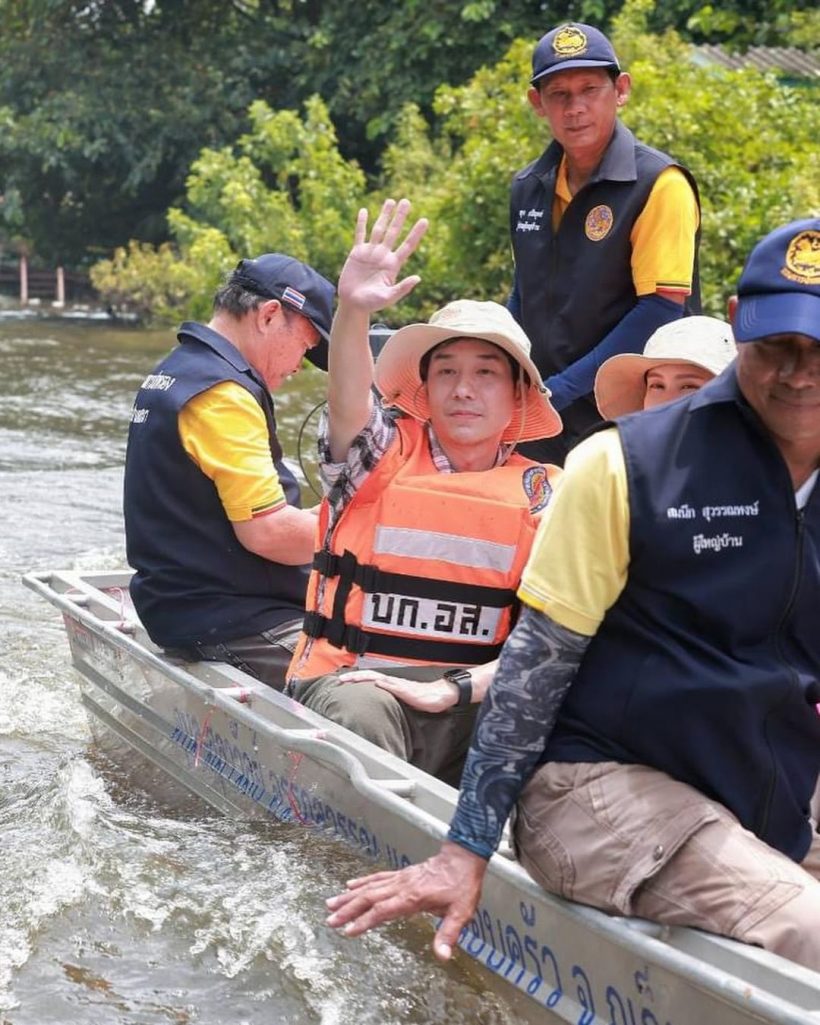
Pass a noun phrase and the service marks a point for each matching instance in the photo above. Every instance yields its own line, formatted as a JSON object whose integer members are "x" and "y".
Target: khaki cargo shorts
{"x": 632, "y": 841}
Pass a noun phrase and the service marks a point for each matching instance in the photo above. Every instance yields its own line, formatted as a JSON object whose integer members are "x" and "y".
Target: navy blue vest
{"x": 194, "y": 581}
{"x": 707, "y": 667}
{"x": 576, "y": 284}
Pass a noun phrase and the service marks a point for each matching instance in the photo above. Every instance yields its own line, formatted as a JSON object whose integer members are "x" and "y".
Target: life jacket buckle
{"x": 326, "y": 563}
{"x": 355, "y": 640}
{"x": 367, "y": 577}
{"x": 314, "y": 624}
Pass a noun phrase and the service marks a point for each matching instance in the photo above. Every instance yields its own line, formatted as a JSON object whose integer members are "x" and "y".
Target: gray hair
{"x": 235, "y": 299}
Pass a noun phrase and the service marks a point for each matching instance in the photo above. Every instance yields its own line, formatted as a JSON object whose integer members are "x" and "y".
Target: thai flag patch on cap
{"x": 290, "y": 295}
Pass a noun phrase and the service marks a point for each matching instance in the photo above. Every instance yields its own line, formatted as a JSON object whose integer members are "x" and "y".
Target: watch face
{"x": 463, "y": 681}
{"x": 457, "y": 674}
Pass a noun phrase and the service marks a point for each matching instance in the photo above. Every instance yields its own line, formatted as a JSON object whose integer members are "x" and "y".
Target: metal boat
{"x": 247, "y": 750}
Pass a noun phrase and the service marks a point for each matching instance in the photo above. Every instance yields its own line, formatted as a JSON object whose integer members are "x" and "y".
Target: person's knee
{"x": 792, "y": 930}
{"x": 726, "y": 880}
{"x": 351, "y": 704}
{"x": 368, "y": 711}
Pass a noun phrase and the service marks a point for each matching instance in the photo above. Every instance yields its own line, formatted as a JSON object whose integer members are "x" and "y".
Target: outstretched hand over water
{"x": 368, "y": 278}
{"x": 448, "y": 884}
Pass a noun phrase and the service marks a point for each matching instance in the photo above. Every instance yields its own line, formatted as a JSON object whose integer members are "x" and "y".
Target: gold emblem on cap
{"x": 598, "y": 223}
{"x": 803, "y": 258}
{"x": 569, "y": 42}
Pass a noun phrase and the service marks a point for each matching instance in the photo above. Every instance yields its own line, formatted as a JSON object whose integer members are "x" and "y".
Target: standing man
{"x": 653, "y": 712}
{"x": 213, "y": 522}
{"x": 605, "y": 230}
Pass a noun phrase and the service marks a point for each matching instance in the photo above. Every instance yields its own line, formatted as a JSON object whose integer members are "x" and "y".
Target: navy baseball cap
{"x": 573, "y": 45}
{"x": 295, "y": 284}
{"x": 779, "y": 288}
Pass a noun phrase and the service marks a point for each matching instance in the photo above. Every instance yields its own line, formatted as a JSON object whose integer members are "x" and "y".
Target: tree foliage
{"x": 375, "y": 58}
{"x": 740, "y": 24}
{"x": 106, "y": 104}
{"x": 747, "y": 138}
{"x": 283, "y": 186}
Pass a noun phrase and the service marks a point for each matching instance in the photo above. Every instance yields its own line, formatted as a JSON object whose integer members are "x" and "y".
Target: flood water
{"x": 114, "y": 908}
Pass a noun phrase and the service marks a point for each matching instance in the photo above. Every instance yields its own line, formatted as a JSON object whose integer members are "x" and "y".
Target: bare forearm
{"x": 536, "y": 668}
{"x": 350, "y": 378}
{"x": 481, "y": 678}
{"x": 287, "y": 536}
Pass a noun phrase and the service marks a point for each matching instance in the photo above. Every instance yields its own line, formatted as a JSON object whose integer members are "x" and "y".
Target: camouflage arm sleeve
{"x": 537, "y": 665}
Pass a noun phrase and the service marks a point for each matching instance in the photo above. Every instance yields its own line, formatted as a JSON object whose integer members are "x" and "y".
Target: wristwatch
{"x": 462, "y": 679}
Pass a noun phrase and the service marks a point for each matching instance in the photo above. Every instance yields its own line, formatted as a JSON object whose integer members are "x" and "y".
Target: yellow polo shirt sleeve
{"x": 224, "y": 431}
{"x": 579, "y": 560}
{"x": 663, "y": 237}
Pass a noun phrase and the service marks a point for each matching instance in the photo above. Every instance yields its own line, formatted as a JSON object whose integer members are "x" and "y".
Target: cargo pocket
{"x": 595, "y": 832}
{"x": 661, "y": 841}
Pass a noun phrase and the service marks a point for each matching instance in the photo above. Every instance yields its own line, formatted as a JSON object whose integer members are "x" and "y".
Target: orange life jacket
{"x": 423, "y": 566}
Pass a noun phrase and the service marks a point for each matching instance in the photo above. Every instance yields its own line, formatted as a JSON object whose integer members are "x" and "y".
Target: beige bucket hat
{"x": 397, "y": 367}
{"x": 620, "y": 384}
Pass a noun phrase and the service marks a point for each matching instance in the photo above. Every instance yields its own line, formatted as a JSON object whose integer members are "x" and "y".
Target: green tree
{"x": 747, "y": 137}
{"x": 105, "y": 104}
{"x": 740, "y": 24}
{"x": 283, "y": 187}
{"x": 368, "y": 60}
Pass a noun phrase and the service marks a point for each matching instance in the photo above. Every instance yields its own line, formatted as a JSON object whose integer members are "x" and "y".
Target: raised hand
{"x": 448, "y": 884}
{"x": 368, "y": 280}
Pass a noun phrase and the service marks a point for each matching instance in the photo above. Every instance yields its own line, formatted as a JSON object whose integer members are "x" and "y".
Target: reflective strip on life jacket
{"x": 459, "y": 550}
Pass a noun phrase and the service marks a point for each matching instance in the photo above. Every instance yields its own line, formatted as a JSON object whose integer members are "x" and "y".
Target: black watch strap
{"x": 462, "y": 679}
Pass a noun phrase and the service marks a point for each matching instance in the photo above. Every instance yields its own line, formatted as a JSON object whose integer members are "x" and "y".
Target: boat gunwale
{"x": 678, "y": 950}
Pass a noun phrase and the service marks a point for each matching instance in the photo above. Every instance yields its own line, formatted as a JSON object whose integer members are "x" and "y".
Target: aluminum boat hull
{"x": 247, "y": 750}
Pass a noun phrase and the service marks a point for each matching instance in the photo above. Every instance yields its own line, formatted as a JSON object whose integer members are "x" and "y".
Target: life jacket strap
{"x": 372, "y": 580}
{"x": 419, "y": 649}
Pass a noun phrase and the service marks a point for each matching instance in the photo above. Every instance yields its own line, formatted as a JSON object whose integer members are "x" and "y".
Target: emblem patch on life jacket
{"x": 598, "y": 223}
{"x": 569, "y": 42}
{"x": 536, "y": 487}
{"x": 803, "y": 258}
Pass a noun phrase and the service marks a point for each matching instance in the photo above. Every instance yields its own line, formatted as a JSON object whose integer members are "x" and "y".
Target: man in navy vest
{"x": 604, "y": 229}
{"x": 213, "y": 523}
{"x": 654, "y": 712}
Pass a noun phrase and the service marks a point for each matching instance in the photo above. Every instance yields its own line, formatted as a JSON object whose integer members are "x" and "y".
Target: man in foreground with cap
{"x": 429, "y": 515}
{"x": 679, "y": 358}
{"x": 214, "y": 528}
{"x": 653, "y": 712}
{"x": 604, "y": 229}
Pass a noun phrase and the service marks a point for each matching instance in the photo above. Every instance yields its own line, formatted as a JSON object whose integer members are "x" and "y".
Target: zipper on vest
{"x": 763, "y": 821}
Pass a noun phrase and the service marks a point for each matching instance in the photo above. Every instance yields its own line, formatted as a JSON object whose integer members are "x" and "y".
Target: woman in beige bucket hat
{"x": 678, "y": 358}
{"x": 428, "y": 518}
